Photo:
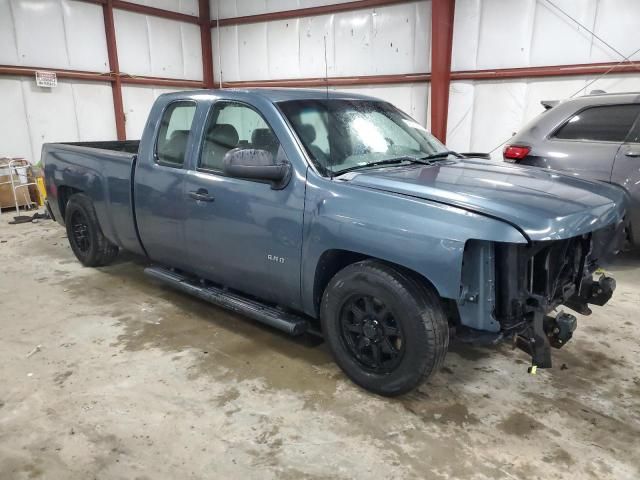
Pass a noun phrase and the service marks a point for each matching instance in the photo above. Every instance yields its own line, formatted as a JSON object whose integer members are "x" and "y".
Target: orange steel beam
{"x": 442, "y": 13}
{"x": 331, "y": 81}
{"x": 205, "y": 40}
{"x": 305, "y": 12}
{"x": 116, "y": 85}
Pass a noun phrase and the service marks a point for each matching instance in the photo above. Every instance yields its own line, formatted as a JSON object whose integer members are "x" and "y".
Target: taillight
{"x": 513, "y": 153}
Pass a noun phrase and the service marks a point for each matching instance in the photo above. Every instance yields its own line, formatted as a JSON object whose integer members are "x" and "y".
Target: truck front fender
{"x": 426, "y": 237}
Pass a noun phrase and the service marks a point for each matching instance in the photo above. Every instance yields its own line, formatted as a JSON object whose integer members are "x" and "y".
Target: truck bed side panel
{"x": 103, "y": 175}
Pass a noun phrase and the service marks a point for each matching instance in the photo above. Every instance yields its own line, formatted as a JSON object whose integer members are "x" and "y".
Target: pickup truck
{"x": 338, "y": 214}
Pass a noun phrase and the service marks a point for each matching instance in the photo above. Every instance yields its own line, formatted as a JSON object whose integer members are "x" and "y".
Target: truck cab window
{"x": 312, "y": 125}
{"x": 174, "y": 133}
{"x": 234, "y": 125}
{"x": 342, "y": 134}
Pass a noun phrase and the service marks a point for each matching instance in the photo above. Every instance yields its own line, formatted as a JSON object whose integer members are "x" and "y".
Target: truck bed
{"x": 104, "y": 172}
{"x": 128, "y": 146}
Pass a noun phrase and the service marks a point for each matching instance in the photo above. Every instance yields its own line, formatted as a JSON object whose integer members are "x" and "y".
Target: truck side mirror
{"x": 257, "y": 164}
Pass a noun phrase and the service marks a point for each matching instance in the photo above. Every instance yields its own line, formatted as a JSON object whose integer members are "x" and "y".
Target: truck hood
{"x": 543, "y": 204}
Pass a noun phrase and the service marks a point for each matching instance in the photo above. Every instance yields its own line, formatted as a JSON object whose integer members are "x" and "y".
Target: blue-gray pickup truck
{"x": 338, "y": 214}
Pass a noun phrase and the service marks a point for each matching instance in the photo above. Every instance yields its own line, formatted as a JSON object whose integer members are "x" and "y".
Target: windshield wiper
{"x": 427, "y": 159}
{"x": 423, "y": 160}
{"x": 444, "y": 154}
{"x": 391, "y": 161}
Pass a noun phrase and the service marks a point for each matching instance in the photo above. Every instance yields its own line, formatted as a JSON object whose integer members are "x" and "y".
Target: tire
{"x": 85, "y": 236}
{"x": 371, "y": 306}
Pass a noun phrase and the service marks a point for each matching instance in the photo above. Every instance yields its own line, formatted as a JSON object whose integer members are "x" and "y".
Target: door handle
{"x": 632, "y": 153}
{"x": 201, "y": 195}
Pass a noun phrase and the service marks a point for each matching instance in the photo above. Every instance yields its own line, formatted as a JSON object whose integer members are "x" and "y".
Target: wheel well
{"x": 64, "y": 193}
{"x": 332, "y": 261}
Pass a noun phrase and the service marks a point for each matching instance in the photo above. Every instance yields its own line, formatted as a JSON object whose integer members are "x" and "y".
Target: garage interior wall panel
{"x": 413, "y": 98}
{"x": 393, "y": 39}
{"x": 32, "y": 123}
{"x": 138, "y": 100}
{"x": 618, "y": 22}
{"x": 61, "y": 34}
{"x": 241, "y": 8}
{"x": 521, "y": 33}
{"x": 410, "y": 98}
{"x": 484, "y": 114}
{"x": 189, "y": 7}
{"x": 14, "y": 126}
{"x": 53, "y": 33}
{"x": 153, "y": 46}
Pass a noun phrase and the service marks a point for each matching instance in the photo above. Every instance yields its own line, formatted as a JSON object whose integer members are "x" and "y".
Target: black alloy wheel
{"x": 371, "y": 334}
{"x": 385, "y": 326}
{"x": 86, "y": 239}
{"x": 80, "y": 228}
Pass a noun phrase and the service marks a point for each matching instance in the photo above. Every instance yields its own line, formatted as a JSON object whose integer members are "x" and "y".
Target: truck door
{"x": 626, "y": 172}
{"x": 159, "y": 199}
{"x": 242, "y": 233}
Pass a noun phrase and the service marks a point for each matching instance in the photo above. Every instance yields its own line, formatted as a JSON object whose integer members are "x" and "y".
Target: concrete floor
{"x": 133, "y": 380}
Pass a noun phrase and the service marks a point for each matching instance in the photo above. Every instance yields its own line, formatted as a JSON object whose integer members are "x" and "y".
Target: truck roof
{"x": 272, "y": 94}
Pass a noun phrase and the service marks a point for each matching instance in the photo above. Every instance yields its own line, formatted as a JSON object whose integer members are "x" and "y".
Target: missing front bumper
{"x": 541, "y": 332}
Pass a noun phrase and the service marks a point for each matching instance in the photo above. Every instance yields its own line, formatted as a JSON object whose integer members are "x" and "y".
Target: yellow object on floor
{"x": 42, "y": 191}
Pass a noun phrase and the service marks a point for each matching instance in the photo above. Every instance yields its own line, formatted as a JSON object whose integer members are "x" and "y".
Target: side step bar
{"x": 287, "y": 322}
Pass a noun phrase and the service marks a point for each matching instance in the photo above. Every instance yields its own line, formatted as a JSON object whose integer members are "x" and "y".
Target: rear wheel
{"x": 386, "y": 330}
{"x": 86, "y": 239}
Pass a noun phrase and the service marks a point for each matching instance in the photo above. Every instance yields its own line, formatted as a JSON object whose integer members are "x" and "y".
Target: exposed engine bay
{"x": 510, "y": 291}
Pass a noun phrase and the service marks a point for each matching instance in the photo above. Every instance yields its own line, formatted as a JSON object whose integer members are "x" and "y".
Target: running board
{"x": 287, "y": 322}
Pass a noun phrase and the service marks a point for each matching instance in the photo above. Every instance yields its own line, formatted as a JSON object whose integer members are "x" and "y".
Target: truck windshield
{"x": 342, "y": 135}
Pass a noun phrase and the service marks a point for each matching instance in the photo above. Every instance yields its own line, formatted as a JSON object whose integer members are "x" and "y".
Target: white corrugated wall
{"x": 70, "y": 34}
{"x": 396, "y": 40}
{"x": 393, "y": 39}
{"x": 523, "y": 33}
{"x": 386, "y": 40}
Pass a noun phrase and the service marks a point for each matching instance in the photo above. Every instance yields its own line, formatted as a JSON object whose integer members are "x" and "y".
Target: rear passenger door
{"x": 159, "y": 198}
{"x": 587, "y": 143}
{"x": 242, "y": 233}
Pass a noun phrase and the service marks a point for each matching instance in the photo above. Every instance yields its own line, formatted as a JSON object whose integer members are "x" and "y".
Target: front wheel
{"x": 386, "y": 330}
{"x": 85, "y": 236}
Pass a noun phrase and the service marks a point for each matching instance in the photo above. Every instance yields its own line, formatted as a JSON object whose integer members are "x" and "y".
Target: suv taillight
{"x": 513, "y": 153}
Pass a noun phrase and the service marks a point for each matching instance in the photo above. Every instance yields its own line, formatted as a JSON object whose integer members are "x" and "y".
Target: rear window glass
{"x": 174, "y": 133}
{"x": 609, "y": 123}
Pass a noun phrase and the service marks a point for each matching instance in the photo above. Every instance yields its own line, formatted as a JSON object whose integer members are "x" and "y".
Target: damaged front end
{"x": 534, "y": 280}
{"x": 509, "y": 290}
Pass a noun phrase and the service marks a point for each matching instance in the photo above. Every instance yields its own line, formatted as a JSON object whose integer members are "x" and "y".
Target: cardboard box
{"x": 23, "y": 176}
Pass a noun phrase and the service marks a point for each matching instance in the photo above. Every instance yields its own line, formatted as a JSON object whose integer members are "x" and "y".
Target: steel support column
{"x": 205, "y": 39}
{"x": 116, "y": 85}
{"x": 442, "y": 13}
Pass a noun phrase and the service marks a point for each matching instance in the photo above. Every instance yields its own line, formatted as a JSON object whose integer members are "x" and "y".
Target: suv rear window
{"x": 610, "y": 123}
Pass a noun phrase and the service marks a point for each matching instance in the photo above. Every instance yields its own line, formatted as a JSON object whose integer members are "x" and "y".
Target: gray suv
{"x": 595, "y": 137}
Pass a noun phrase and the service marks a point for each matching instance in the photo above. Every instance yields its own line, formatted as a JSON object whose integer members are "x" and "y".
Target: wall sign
{"x": 46, "y": 79}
